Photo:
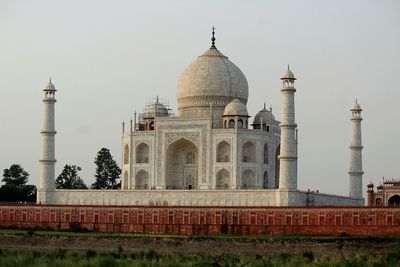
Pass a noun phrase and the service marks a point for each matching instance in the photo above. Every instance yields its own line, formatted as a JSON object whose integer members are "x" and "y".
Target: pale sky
{"x": 108, "y": 58}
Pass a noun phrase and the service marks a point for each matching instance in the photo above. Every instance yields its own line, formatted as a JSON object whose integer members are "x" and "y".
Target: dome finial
{"x": 264, "y": 104}
{"x": 288, "y": 67}
{"x": 213, "y": 37}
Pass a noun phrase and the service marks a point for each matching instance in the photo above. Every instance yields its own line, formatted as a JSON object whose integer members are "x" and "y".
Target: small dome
{"x": 151, "y": 110}
{"x": 50, "y": 86}
{"x": 370, "y": 184}
{"x": 236, "y": 108}
{"x": 288, "y": 75}
{"x": 356, "y": 106}
{"x": 264, "y": 114}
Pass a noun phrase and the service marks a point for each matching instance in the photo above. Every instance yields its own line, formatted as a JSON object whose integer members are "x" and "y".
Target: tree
{"x": 15, "y": 187}
{"x": 69, "y": 178}
{"x": 15, "y": 175}
{"x": 107, "y": 171}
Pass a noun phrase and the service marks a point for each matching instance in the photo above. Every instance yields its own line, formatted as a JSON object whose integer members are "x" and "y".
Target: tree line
{"x": 16, "y": 187}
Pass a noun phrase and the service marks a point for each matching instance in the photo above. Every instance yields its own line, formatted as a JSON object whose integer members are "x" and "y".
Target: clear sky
{"x": 108, "y": 58}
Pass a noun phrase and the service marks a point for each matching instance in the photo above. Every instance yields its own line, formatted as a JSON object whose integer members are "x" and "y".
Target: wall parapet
{"x": 332, "y": 220}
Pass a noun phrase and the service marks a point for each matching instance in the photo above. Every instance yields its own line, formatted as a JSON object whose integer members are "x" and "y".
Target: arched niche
{"x": 277, "y": 165}
{"x": 182, "y": 164}
{"x": 248, "y": 179}
{"x": 142, "y": 153}
{"x": 223, "y": 152}
{"x": 142, "y": 180}
{"x": 126, "y": 154}
{"x": 240, "y": 124}
{"x": 266, "y": 154}
{"x": 249, "y": 152}
{"x": 265, "y": 180}
{"x": 394, "y": 200}
{"x": 222, "y": 179}
{"x": 126, "y": 177}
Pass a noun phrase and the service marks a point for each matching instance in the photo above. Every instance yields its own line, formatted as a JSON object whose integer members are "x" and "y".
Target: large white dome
{"x": 211, "y": 79}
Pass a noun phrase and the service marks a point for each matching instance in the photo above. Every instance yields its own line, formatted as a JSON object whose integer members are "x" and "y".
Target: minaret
{"x": 356, "y": 172}
{"x": 288, "y": 153}
{"x": 47, "y": 157}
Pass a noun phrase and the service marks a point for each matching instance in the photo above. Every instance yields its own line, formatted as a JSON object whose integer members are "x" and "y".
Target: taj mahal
{"x": 212, "y": 153}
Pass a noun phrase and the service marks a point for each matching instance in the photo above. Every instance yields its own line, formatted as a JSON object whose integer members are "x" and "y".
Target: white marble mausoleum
{"x": 212, "y": 153}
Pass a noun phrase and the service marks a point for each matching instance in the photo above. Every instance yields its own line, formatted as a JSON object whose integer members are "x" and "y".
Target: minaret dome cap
{"x": 356, "y": 107}
{"x": 288, "y": 75}
{"x": 50, "y": 87}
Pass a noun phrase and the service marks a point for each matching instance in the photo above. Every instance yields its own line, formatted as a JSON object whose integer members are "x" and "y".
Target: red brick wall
{"x": 207, "y": 220}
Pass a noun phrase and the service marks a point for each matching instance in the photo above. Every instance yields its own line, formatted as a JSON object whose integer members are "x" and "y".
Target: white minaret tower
{"x": 288, "y": 153}
{"x": 356, "y": 172}
{"x": 47, "y": 155}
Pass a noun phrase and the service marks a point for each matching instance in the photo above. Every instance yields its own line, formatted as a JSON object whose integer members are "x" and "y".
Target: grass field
{"x": 63, "y": 258}
{"x": 129, "y": 249}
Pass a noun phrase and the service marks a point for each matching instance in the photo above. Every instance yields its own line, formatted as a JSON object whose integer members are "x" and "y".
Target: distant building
{"x": 387, "y": 193}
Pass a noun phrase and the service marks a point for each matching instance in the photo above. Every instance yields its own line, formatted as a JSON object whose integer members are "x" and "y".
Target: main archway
{"x": 394, "y": 200}
{"x": 182, "y": 165}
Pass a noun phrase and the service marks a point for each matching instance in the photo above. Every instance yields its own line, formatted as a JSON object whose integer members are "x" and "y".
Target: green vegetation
{"x": 15, "y": 186}
{"x": 69, "y": 178}
{"x": 107, "y": 171}
{"x": 223, "y": 237}
{"x": 119, "y": 257}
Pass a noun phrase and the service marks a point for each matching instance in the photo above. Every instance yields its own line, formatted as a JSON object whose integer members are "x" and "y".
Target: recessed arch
{"x": 266, "y": 154}
{"x": 231, "y": 123}
{"x": 277, "y": 165}
{"x": 240, "y": 124}
{"x": 126, "y": 154}
{"x": 265, "y": 180}
{"x": 248, "y": 179}
{"x": 222, "y": 179}
{"x": 394, "y": 200}
{"x": 142, "y": 153}
{"x": 249, "y": 152}
{"x": 223, "y": 152}
{"x": 126, "y": 177}
{"x": 182, "y": 164}
{"x": 142, "y": 180}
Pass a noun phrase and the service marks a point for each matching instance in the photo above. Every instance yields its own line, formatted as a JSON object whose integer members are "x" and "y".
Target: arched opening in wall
{"x": 126, "y": 180}
{"x": 266, "y": 154}
{"x": 248, "y": 179}
{"x": 225, "y": 124}
{"x": 142, "y": 180}
{"x": 277, "y": 165}
{"x": 142, "y": 153}
{"x": 231, "y": 123}
{"x": 394, "y": 200}
{"x": 240, "y": 124}
{"x": 223, "y": 179}
{"x": 378, "y": 202}
{"x": 265, "y": 180}
{"x": 182, "y": 165}
{"x": 223, "y": 152}
{"x": 249, "y": 152}
{"x": 126, "y": 154}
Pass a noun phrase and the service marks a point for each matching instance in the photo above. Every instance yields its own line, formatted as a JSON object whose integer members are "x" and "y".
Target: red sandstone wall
{"x": 207, "y": 220}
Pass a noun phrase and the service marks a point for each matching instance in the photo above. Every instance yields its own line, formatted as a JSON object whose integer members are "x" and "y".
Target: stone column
{"x": 356, "y": 172}
{"x": 288, "y": 152}
{"x": 47, "y": 156}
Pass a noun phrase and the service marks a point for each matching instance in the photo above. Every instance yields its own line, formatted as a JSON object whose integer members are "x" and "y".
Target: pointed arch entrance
{"x": 182, "y": 165}
{"x": 394, "y": 200}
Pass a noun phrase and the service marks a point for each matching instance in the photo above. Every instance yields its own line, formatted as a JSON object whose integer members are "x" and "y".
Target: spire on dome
{"x": 264, "y": 105}
{"x": 213, "y": 38}
{"x": 50, "y": 86}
